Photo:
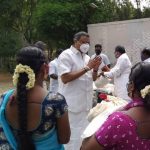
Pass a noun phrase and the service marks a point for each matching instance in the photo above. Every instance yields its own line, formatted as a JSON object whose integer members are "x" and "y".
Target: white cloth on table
{"x": 100, "y": 113}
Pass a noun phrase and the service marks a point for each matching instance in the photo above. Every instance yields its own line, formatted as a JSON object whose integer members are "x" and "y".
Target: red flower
{"x": 102, "y": 96}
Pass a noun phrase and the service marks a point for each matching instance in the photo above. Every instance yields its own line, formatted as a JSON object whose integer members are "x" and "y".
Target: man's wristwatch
{"x": 87, "y": 68}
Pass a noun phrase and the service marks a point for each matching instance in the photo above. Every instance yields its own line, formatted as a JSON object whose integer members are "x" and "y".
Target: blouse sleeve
{"x": 113, "y": 131}
{"x": 60, "y": 106}
{"x": 4, "y": 144}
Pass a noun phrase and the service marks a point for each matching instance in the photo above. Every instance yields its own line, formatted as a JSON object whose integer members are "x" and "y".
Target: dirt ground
{"x": 5, "y": 82}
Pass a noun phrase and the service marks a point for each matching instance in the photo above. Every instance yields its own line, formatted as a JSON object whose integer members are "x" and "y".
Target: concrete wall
{"x": 134, "y": 35}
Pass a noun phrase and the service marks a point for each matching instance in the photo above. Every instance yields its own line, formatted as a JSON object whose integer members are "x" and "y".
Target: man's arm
{"x": 93, "y": 64}
{"x": 118, "y": 69}
{"x": 67, "y": 77}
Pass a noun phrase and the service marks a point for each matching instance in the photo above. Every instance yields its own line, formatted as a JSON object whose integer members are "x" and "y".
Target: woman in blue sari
{"x": 31, "y": 118}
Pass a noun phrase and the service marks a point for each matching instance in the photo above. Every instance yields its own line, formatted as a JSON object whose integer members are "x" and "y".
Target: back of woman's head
{"x": 29, "y": 60}
{"x": 140, "y": 76}
{"x": 31, "y": 56}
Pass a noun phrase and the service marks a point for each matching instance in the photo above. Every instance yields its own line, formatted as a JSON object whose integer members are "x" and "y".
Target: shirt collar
{"x": 74, "y": 50}
{"x": 122, "y": 55}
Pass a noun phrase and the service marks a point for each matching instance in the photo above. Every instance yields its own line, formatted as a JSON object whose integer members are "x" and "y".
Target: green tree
{"x": 56, "y": 22}
{"x": 146, "y": 12}
{"x": 125, "y": 10}
{"x": 17, "y": 16}
{"x": 10, "y": 42}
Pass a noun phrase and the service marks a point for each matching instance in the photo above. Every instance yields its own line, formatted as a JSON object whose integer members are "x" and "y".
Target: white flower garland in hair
{"x": 21, "y": 69}
{"x": 145, "y": 91}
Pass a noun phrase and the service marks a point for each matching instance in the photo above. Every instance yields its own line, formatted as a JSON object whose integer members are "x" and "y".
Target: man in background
{"x": 120, "y": 73}
{"x": 53, "y": 72}
{"x": 104, "y": 66}
{"x": 98, "y": 52}
{"x": 145, "y": 55}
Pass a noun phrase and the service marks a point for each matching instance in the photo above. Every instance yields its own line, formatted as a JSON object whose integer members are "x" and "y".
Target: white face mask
{"x": 84, "y": 48}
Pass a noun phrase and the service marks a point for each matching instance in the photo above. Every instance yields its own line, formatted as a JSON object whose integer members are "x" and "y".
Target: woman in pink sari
{"x": 127, "y": 129}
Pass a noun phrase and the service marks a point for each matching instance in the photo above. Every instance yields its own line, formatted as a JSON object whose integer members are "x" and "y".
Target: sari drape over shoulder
{"x": 47, "y": 141}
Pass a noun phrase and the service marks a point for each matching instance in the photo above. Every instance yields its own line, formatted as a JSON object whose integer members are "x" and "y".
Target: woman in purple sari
{"x": 127, "y": 129}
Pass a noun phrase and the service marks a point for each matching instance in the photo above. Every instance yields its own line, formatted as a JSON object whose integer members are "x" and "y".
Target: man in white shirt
{"x": 98, "y": 52}
{"x": 77, "y": 73}
{"x": 145, "y": 55}
{"x": 120, "y": 73}
{"x": 53, "y": 72}
{"x": 104, "y": 66}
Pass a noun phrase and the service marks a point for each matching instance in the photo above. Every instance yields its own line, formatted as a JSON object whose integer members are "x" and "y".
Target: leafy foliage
{"x": 9, "y": 43}
{"x": 55, "y": 21}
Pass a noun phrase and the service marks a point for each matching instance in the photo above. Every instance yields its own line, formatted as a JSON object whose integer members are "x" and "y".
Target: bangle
{"x": 87, "y": 68}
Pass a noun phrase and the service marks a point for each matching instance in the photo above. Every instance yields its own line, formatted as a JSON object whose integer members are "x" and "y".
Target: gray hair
{"x": 78, "y": 35}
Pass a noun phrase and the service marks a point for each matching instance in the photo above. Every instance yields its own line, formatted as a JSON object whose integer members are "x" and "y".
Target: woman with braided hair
{"x": 32, "y": 118}
{"x": 127, "y": 128}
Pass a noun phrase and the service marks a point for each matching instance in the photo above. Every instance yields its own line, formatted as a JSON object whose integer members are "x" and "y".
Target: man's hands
{"x": 94, "y": 63}
{"x": 101, "y": 74}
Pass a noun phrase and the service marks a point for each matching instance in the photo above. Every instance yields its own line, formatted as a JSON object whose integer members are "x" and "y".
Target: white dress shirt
{"x": 53, "y": 69}
{"x": 120, "y": 73}
{"x": 147, "y": 60}
{"x": 78, "y": 93}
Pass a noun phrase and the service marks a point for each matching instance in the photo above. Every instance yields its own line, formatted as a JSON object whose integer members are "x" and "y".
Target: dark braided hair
{"x": 140, "y": 76}
{"x": 34, "y": 58}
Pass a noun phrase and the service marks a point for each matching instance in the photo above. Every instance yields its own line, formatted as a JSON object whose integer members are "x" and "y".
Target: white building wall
{"x": 134, "y": 35}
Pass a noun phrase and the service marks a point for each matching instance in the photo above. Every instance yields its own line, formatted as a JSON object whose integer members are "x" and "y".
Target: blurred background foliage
{"x": 23, "y": 22}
